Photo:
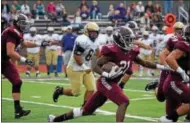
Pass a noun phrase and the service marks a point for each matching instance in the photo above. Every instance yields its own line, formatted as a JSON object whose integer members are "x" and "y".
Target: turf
{"x": 40, "y": 91}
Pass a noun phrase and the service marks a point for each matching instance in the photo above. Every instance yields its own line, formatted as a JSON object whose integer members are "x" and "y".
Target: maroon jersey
{"x": 121, "y": 58}
{"x": 184, "y": 61}
{"x": 10, "y": 34}
{"x": 172, "y": 41}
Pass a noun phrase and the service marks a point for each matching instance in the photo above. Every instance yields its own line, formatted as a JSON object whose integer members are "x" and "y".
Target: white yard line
{"x": 98, "y": 111}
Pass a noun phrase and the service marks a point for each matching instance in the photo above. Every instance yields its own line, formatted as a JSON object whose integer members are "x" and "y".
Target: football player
{"x": 12, "y": 37}
{"x": 109, "y": 34}
{"x": 79, "y": 67}
{"x": 123, "y": 53}
{"x": 176, "y": 89}
{"x": 33, "y": 53}
{"x": 51, "y": 51}
{"x": 157, "y": 85}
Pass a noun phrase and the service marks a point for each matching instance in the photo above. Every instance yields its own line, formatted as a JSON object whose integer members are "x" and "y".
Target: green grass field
{"x": 37, "y": 96}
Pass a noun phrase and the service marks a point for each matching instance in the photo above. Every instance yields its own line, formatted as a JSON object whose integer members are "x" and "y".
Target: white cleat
{"x": 165, "y": 119}
{"x": 51, "y": 117}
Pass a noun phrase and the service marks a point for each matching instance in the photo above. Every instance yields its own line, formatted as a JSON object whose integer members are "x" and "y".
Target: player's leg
{"x": 179, "y": 92}
{"x": 28, "y": 69}
{"x": 66, "y": 57}
{"x": 114, "y": 93}
{"x": 36, "y": 64}
{"x": 76, "y": 79}
{"x": 48, "y": 61}
{"x": 54, "y": 62}
{"x": 89, "y": 83}
{"x": 14, "y": 78}
{"x": 92, "y": 104}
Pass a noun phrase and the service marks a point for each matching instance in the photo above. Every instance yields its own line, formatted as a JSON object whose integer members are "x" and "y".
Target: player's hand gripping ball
{"x": 108, "y": 67}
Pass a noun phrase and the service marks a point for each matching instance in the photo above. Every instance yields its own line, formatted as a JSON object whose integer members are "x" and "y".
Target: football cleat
{"x": 58, "y": 91}
{"x": 21, "y": 113}
{"x": 151, "y": 85}
{"x": 165, "y": 119}
{"x": 51, "y": 118}
{"x": 48, "y": 74}
{"x": 37, "y": 74}
{"x": 28, "y": 74}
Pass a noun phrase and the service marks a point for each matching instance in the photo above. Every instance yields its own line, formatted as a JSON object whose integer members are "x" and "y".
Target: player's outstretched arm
{"x": 141, "y": 44}
{"x": 163, "y": 55}
{"x": 145, "y": 63}
{"x": 124, "y": 80}
{"x": 172, "y": 62}
{"x": 30, "y": 44}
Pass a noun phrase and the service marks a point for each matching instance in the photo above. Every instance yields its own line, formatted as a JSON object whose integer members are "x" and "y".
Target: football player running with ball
{"x": 11, "y": 37}
{"x": 122, "y": 53}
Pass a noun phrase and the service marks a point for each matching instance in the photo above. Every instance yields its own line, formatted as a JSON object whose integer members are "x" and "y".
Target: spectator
{"x": 78, "y": 18}
{"x": 128, "y": 16}
{"x": 5, "y": 9}
{"x": 51, "y": 11}
{"x": 180, "y": 5}
{"x": 95, "y": 10}
{"x": 84, "y": 13}
{"x": 66, "y": 21}
{"x": 39, "y": 9}
{"x": 110, "y": 13}
{"x": 140, "y": 9}
{"x": 67, "y": 44}
{"x": 16, "y": 5}
{"x": 59, "y": 9}
{"x": 122, "y": 10}
{"x": 13, "y": 13}
{"x": 149, "y": 6}
{"x": 157, "y": 20}
{"x": 25, "y": 9}
{"x": 157, "y": 8}
{"x": 133, "y": 10}
{"x": 83, "y": 3}
{"x": 117, "y": 17}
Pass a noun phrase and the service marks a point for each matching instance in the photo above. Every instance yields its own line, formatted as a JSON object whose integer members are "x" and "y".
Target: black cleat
{"x": 27, "y": 74}
{"x": 22, "y": 113}
{"x": 48, "y": 74}
{"x": 37, "y": 75}
{"x": 58, "y": 91}
{"x": 151, "y": 85}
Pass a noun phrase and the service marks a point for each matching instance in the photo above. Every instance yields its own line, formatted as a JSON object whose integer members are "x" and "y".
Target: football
{"x": 108, "y": 66}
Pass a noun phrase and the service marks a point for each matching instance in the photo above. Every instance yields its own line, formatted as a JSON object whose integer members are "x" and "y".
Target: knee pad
{"x": 16, "y": 88}
{"x": 77, "y": 112}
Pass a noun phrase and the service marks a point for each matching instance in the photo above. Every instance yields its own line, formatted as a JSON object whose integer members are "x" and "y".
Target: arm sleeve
{"x": 79, "y": 47}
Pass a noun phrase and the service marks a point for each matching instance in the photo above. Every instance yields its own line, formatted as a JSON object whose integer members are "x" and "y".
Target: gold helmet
{"x": 91, "y": 29}
{"x": 178, "y": 25}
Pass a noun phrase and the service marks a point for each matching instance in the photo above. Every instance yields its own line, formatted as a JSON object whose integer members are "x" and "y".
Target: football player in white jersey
{"x": 79, "y": 69}
{"x": 145, "y": 54}
{"x": 109, "y": 34}
{"x": 51, "y": 51}
{"x": 33, "y": 53}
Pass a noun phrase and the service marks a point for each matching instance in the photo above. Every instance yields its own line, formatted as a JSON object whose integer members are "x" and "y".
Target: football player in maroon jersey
{"x": 123, "y": 53}
{"x": 12, "y": 37}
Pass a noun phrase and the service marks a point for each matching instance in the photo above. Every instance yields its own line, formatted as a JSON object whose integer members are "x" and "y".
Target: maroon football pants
{"x": 105, "y": 91}
{"x": 10, "y": 71}
{"x": 176, "y": 92}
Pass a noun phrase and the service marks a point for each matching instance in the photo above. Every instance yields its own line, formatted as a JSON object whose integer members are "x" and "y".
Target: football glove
{"x": 183, "y": 74}
{"x": 114, "y": 73}
{"x": 29, "y": 62}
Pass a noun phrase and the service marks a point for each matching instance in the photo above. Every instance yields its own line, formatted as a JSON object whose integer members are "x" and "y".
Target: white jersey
{"x": 51, "y": 38}
{"x": 155, "y": 38}
{"x": 36, "y": 38}
{"x": 89, "y": 48}
{"x": 102, "y": 40}
{"x": 162, "y": 45}
{"x": 147, "y": 42}
{"x": 109, "y": 39}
